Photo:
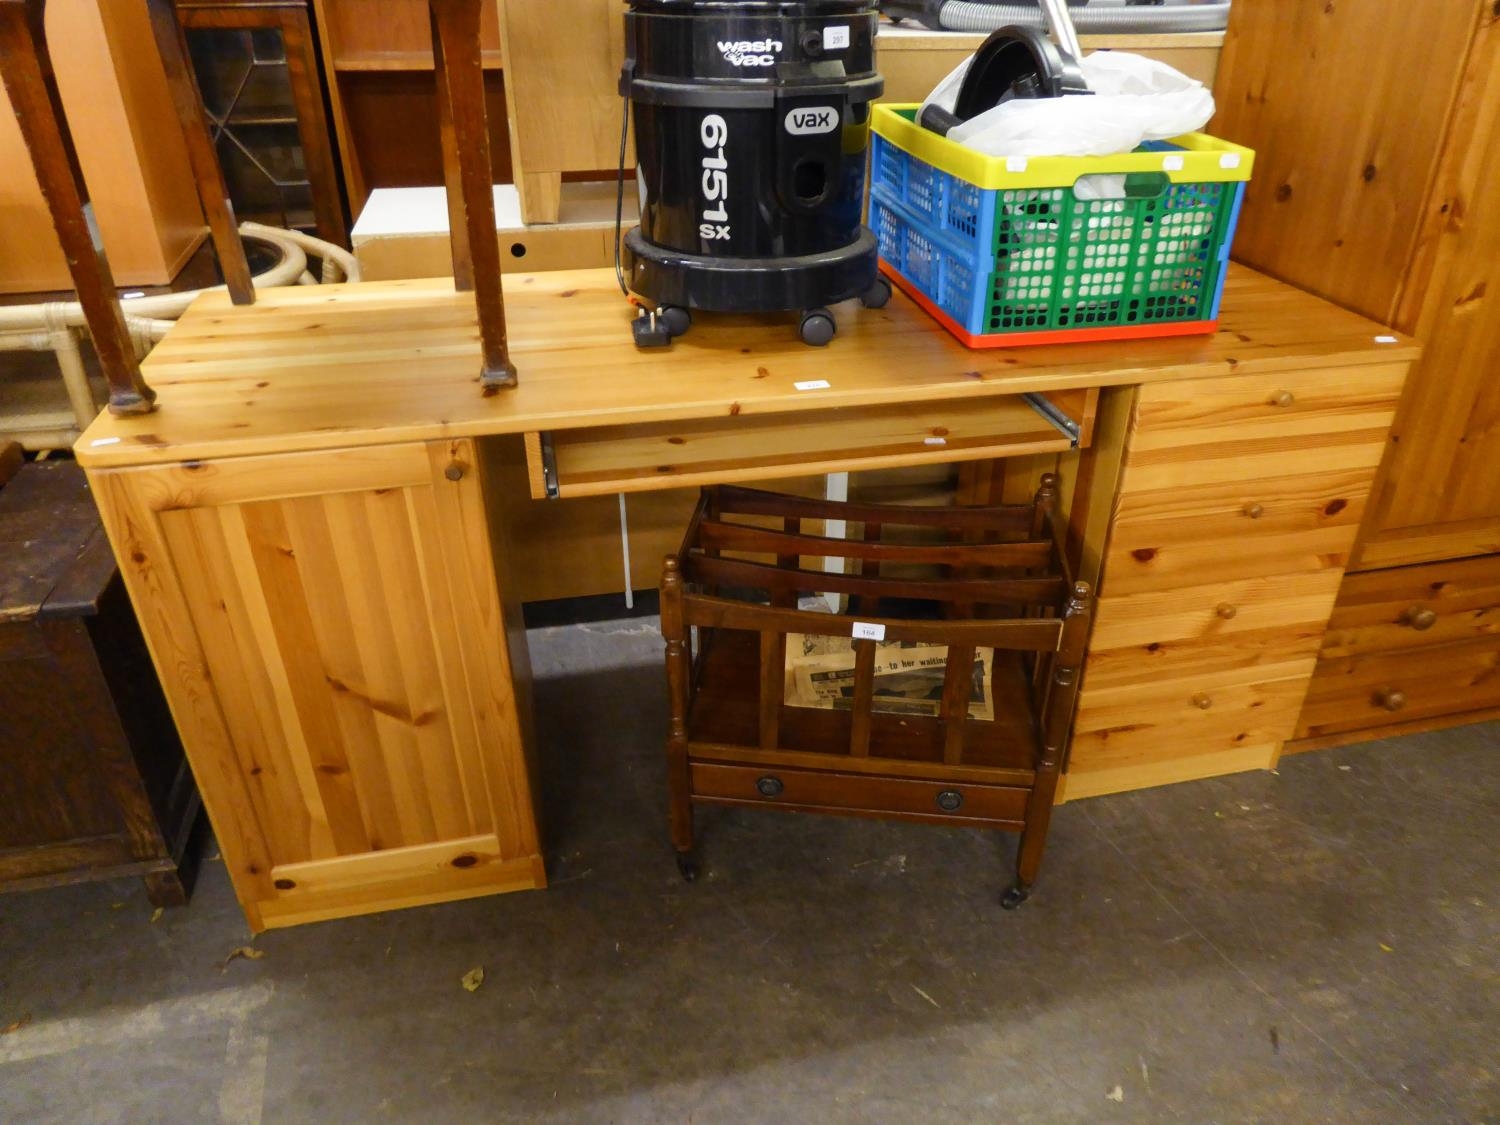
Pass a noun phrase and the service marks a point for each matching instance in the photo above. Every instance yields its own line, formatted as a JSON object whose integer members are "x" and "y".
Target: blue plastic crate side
{"x": 953, "y": 266}
{"x": 1224, "y": 248}
{"x": 888, "y": 166}
{"x": 942, "y": 238}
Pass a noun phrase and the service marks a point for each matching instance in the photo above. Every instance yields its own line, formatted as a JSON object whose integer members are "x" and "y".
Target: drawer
{"x": 1151, "y": 723}
{"x": 1326, "y": 400}
{"x": 1205, "y": 432}
{"x": 1166, "y": 539}
{"x": 601, "y": 460}
{"x": 1259, "y": 654}
{"x": 832, "y": 791}
{"x": 1350, "y": 693}
{"x": 1220, "y": 610}
{"x": 1415, "y": 607}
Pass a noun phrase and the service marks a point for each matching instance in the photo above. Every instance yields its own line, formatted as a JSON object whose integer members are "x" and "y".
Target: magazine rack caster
{"x": 687, "y": 866}
{"x": 1014, "y": 897}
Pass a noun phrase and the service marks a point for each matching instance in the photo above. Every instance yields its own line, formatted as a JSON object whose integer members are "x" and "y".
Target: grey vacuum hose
{"x": 1092, "y": 19}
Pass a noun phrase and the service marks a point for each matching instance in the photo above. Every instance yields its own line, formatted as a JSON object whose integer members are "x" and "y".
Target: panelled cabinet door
{"x": 329, "y": 630}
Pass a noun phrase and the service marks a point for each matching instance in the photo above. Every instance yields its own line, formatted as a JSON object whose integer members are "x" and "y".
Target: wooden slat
{"x": 734, "y": 572}
{"x": 958, "y": 677}
{"x": 591, "y": 462}
{"x": 340, "y": 366}
{"x": 734, "y": 500}
{"x": 724, "y": 613}
{"x": 344, "y": 631}
{"x": 892, "y": 767}
{"x": 736, "y": 537}
{"x": 379, "y": 692}
{"x": 772, "y": 679}
{"x": 257, "y": 743}
{"x": 864, "y": 695}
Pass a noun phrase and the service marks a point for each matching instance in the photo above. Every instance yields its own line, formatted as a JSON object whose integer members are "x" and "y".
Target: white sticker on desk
{"x": 1171, "y": 163}
{"x": 868, "y": 631}
{"x": 836, "y": 38}
{"x": 105, "y": 441}
{"x": 1386, "y": 340}
{"x": 813, "y": 385}
{"x": 935, "y": 441}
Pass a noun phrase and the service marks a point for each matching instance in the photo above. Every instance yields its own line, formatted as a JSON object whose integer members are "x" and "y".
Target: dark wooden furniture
{"x": 969, "y": 578}
{"x": 93, "y": 782}
{"x": 257, "y": 66}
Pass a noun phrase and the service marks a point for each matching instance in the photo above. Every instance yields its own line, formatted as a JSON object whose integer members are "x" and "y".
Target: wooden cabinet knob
{"x": 454, "y": 471}
{"x": 1390, "y": 699}
{"x": 1226, "y": 611}
{"x": 1419, "y": 618}
{"x": 1203, "y": 701}
{"x": 1254, "y": 511}
{"x": 1283, "y": 398}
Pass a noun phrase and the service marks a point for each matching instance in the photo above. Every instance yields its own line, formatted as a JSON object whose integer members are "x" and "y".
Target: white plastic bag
{"x": 1135, "y": 99}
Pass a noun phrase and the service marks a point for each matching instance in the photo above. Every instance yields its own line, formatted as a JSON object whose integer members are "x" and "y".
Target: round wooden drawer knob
{"x": 1419, "y": 618}
{"x": 1254, "y": 511}
{"x": 1390, "y": 699}
{"x": 1202, "y": 701}
{"x": 769, "y": 786}
{"x": 1284, "y": 398}
{"x": 1226, "y": 611}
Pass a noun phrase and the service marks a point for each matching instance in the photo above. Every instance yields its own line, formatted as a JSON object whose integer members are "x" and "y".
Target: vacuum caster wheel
{"x": 687, "y": 867}
{"x": 650, "y": 331}
{"x": 676, "y": 319}
{"x": 878, "y": 295}
{"x": 817, "y": 327}
{"x": 1014, "y": 898}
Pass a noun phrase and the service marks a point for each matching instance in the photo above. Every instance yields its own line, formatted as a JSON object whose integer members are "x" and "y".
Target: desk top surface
{"x": 322, "y": 367}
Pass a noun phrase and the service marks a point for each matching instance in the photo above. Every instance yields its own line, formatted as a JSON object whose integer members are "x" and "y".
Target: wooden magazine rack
{"x": 995, "y": 578}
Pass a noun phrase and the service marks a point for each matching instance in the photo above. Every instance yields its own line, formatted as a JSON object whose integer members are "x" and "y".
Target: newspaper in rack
{"x": 908, "y": 676}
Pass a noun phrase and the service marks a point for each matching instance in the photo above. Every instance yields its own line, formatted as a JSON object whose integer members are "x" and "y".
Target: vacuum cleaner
{"x": 751, "y": 130}
{"x": 1091, "y": 17}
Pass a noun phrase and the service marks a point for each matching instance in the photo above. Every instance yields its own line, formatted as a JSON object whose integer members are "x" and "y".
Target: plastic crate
{"x": 1004, "y": 252}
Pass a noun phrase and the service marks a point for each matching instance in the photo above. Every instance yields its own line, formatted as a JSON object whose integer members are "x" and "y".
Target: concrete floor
{"x": 1318, "y": 945}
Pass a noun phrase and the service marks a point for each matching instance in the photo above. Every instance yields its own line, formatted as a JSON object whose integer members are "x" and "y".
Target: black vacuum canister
{"x": 751, "y": 132}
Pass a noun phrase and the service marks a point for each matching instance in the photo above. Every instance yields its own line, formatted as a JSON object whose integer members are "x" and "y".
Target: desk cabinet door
{"x": 330, "y": 633}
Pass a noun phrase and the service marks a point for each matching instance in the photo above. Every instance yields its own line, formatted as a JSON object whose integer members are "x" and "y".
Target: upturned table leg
{"x": 26, "y": 68}
{"x": 213, "y": 196}
{"x": 466, "y": 171}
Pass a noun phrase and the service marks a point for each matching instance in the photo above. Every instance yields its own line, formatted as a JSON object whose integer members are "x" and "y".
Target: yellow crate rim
{"x": 1205, "y": 159}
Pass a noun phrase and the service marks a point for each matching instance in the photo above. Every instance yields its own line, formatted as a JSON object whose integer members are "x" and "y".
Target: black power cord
{"x": 620, "y": 191}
